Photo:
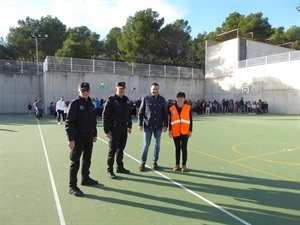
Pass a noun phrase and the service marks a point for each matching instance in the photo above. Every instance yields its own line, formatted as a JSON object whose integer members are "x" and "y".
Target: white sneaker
{"x": 58, "y": 123}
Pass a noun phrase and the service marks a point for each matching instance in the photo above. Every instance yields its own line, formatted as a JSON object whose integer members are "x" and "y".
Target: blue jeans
{"x": 147, "y": 140}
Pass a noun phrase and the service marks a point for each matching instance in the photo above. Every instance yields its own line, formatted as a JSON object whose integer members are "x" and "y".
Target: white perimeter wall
{"x": 17, "y": 90}
{"x": 277, "y": 83}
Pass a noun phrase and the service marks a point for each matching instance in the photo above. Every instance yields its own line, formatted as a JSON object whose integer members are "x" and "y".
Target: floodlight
{"x": 298, "y": 8}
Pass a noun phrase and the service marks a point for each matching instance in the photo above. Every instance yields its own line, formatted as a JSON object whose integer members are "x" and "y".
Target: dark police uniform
{"x": 80, "y": 126}
{"x": 116, "y": 121}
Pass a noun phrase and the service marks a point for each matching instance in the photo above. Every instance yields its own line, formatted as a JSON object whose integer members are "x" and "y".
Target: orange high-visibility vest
{"x": 180, "y": 123}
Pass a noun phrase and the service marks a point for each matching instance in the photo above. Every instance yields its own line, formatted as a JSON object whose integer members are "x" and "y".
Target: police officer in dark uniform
{"x": 116, "y": 124}
{"x": 81, "y": 133}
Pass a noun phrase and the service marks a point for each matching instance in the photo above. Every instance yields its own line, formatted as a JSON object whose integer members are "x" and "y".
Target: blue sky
{"x": 102, "y": 15}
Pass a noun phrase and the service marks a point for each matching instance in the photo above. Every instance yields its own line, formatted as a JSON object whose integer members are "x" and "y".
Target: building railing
{"x": 120, "y": 68}
{"x": 283, "y": 57}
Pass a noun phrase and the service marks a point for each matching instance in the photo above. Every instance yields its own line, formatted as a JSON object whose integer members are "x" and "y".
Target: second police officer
{"x": 117, "y": 124}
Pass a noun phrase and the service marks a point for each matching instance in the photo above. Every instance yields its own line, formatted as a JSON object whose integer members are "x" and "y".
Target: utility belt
{"x": 118, "y": 124}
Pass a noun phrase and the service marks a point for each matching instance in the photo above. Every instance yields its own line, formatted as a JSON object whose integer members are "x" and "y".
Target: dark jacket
{"x": 81, "y": 118}
{"x": 117, "y": 111}
{"x": 153, "y": 112}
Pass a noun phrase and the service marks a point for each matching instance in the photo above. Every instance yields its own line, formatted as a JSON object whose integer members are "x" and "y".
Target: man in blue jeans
{"x": 153, "y": 119}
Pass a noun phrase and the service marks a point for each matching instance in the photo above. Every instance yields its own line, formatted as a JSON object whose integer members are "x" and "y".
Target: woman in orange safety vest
{"x": 180, "y": 129}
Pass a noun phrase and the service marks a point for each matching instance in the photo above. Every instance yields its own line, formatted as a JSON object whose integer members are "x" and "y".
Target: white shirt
{"x": 60, "y": 105}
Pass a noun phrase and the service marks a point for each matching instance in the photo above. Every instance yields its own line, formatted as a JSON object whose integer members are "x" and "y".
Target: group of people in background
{"x": 36, "y": 109}
{"x": 59, "y": 110}
{"x": 205, "y": 107}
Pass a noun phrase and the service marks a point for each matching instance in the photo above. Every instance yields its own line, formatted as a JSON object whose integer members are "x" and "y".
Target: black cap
{"x": 121, "y": 84}
{"x": 180, "y": 94}
{"x": 84, "y": 85}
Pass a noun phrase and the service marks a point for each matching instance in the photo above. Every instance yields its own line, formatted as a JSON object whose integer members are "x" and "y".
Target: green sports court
{"x": 242, "y": 169}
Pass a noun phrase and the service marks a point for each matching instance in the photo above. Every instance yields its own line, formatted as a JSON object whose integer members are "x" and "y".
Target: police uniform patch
{"x": 81, "y": 107}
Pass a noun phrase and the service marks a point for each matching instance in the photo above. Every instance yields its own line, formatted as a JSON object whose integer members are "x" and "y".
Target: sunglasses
{"x": 85, "y": 90}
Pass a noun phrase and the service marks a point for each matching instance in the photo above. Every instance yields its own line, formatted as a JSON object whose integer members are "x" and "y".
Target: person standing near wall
{"x": 153, "y": 119}
{"x": 116, "y": 124}
{"x": 29, "y": 107}
{"x": 39, "y": 108}
{"x": 138, "y": 105}
{"x": 180, "y": 129}
{"x": 81, "y": 133}
{"x": 60, "y": 107}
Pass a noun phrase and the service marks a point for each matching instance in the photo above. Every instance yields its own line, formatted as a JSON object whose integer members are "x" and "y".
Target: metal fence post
{"x": 22, "y": 67}
{"x": 93, "y": 65}
{"x": 192, "y": 73}
{"x": 114, "y": 67}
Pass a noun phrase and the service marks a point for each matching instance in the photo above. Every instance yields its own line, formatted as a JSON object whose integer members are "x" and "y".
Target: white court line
{"x": 190, "y": 191}
{"x": 57, "y": 202}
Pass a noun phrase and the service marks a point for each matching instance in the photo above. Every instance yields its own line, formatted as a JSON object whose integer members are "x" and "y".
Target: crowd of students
{"x": 202, "y": 107}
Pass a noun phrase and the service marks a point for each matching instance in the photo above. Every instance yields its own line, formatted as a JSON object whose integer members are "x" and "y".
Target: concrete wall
{"x": 58, "y": 84}
{"x": 17, "y": 90}
{"x": 278, "y": 83}
{"x": 221, "y": 58}
{"x": 258, "y": 49}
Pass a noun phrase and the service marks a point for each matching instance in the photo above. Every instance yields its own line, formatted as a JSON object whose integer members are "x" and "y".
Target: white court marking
{"x": 56, "y": 198}
{"x": 190, "y": 191}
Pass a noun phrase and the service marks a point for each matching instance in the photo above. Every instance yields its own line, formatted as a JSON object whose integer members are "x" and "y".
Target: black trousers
{"x": 84, "y": 147}
{"x": 116, "y": 147}
{"x": 60, "y": 115}
{"x": 181, "y": 145}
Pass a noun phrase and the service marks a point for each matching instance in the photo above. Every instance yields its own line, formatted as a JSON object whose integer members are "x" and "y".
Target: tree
{"x": 80, "y": 43}
{"x": 56, "y": 31}
{"x": 232, "y": 21}
{"x": 293, "y": 35}
{"x": 23, "y": 47}
{"x": 140, "y": 37}
{"x": 277, "y": 37}
{"x": 73, "y": 49}
{"x": 176, "y": 40}
{"x": 111, "y": 48}
{"x": 257, "y": 24}
{"x": 199, "y": 49}
{"x": 4, "y": 51}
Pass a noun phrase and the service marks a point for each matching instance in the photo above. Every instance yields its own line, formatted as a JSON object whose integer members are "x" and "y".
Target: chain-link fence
{"x": 120, "y": 68}
{"x": 20, "y": 67}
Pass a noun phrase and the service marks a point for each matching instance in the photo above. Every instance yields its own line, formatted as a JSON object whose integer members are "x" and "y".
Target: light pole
{"x": 37, "y": 39}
